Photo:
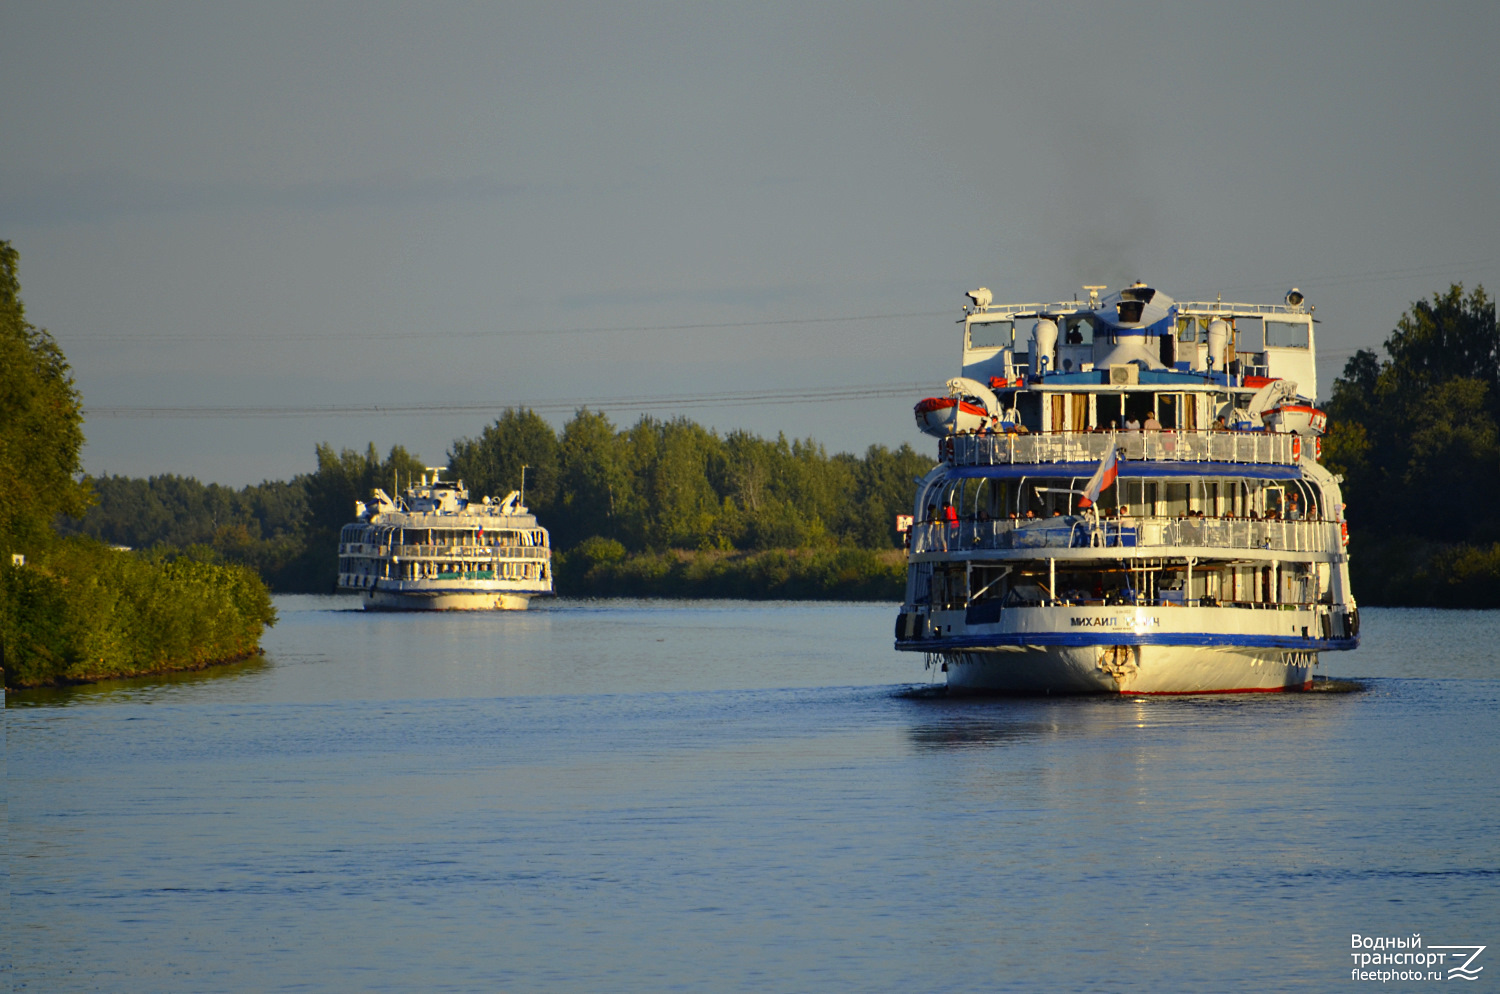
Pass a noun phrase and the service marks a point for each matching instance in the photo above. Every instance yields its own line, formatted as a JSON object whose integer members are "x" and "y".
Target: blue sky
{"x": 300, "y": 206}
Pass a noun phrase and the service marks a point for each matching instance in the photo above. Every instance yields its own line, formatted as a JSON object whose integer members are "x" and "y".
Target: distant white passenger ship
{"x": 432, "y": 549}
{"x": 1132, "y": 505}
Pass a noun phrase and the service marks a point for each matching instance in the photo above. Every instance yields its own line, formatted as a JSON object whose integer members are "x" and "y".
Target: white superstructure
{"x": 432, "y": 549}
{"x": 1214, "y": 558}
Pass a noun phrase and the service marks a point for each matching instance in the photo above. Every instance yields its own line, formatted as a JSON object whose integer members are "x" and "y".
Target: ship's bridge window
{"x": 1188, "y": 330}
{"x": 1286, "y": 334}
{"x": 1130, "y": 311}
{"x": 1249, "y": 334}
{"x": 1078, "y": 331}
{"x": 991, "y": 334}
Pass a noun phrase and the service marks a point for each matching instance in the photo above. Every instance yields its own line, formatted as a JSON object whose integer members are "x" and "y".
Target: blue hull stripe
{"x": 1123, "y": 638}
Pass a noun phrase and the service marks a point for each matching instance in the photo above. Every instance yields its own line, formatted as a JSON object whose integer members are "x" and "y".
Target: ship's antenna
{"x": 524, "y": 468}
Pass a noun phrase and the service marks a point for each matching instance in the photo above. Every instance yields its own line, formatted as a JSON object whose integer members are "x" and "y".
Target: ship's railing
{"x": 1159, "y": 535}
{"x": 1280, "y": 448}
{"x": 478, "y": 553}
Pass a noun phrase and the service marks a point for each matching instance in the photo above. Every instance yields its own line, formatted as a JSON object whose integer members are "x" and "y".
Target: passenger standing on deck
{"x": 1151, "y": 423}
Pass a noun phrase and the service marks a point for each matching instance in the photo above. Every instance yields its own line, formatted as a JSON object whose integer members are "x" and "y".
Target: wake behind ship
{"x": 1134, "y": 504}
{"x": 432, "y": 549}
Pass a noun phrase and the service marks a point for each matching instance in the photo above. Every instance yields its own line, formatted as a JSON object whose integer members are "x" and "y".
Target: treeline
{"x": 1415, "y": 436}
{"x": 675, "y": 485}
{"x": 646, "y": 489}
{"x": 73, "y": 609}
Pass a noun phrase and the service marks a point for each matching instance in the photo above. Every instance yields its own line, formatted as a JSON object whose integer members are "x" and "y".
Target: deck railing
{"x": 476, "y": 553}
{"x": 1262, "y": 447}
{"x": 1160, "y": 536}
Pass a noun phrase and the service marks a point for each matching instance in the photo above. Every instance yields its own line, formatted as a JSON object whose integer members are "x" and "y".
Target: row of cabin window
{"x": 357, "y": 566}
{"x": 951, "y": 587}
{"x": 998, "y": 499}
{"x": 1070, "y": 411}
{"x": 440, "y": 536}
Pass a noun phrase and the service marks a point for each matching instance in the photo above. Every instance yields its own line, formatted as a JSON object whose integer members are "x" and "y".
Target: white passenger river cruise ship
{"x": 432, "y": 549}
{"x": 1131, "y": 504}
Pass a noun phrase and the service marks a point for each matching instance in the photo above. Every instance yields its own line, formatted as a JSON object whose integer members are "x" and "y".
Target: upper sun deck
{"x": 1220, "y": 344}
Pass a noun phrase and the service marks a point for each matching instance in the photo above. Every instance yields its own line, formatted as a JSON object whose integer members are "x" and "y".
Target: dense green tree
{"x": 1447, "y": 338}
{"x": 1415, "y": 436}
{"x": 491, "y": 464}
{"x": 594, "y": 486}
{"x": 885, "y": 488}
{"x": 41, "y": 432}
{"x": 348, "y": 476}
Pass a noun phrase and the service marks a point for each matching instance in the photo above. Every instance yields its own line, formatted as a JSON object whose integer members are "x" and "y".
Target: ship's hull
{"x": 430, "y": 597}
{"x": 1128, "y": 650}
{"x": 1126, "y": 669}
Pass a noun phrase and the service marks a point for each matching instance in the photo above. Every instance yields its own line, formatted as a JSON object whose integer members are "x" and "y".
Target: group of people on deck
{"x": 948, "y": 514}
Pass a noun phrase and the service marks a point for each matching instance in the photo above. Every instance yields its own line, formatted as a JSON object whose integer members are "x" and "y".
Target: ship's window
{"x": 1029, "y": 405}
{"x": 1286, "y": 334}
{"x": 1140, "y": 293}
{"x": 1249, "y": 334}
{"x": 1166, "y": 409}
{"x": 1078, "y": 331}
{"x": 991, "y": 334}
{"x": 1187, "y": 329}
{"x": 1130, "y": 311}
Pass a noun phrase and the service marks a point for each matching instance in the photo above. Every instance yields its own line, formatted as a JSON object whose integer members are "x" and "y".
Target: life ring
{"x": 1344, "y": 532}
{"x": 1296, "y": 448}
{"x": 1318, "y": 449}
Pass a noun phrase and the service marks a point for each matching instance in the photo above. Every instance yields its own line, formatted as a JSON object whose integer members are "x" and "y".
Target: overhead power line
{"x": 746, "y": 398}
{"x": 428, "y": 334}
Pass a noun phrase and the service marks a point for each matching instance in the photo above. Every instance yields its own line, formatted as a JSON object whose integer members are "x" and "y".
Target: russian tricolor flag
{"x": 1104, "y": 476}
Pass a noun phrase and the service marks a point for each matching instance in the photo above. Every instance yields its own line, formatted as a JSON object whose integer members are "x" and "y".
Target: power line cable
{"x": 427, "y": 335}
{"x": 747, "y": 398}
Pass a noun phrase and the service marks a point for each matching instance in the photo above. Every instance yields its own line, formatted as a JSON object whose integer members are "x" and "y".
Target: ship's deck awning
{"x": 1130, "y": 469}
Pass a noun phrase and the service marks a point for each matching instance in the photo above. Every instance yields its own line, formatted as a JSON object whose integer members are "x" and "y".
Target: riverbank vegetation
{"x": 1415, "y": 436}
{"x": 75, "y": 609}
{"x": 600, "y": 567}
{"x": 691, "y": 513}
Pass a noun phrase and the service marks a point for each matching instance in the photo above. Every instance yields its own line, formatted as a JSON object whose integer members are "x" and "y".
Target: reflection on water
{"x": 158, "y": 686}
{"x": 963, "y": 723}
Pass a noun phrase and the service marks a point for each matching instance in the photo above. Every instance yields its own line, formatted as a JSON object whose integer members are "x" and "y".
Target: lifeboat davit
{"x": 1280, "y": 409}
{"x": 969, "y": 407}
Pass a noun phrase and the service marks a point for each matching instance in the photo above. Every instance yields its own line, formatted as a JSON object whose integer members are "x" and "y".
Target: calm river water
{"x": 623, "y": 796}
